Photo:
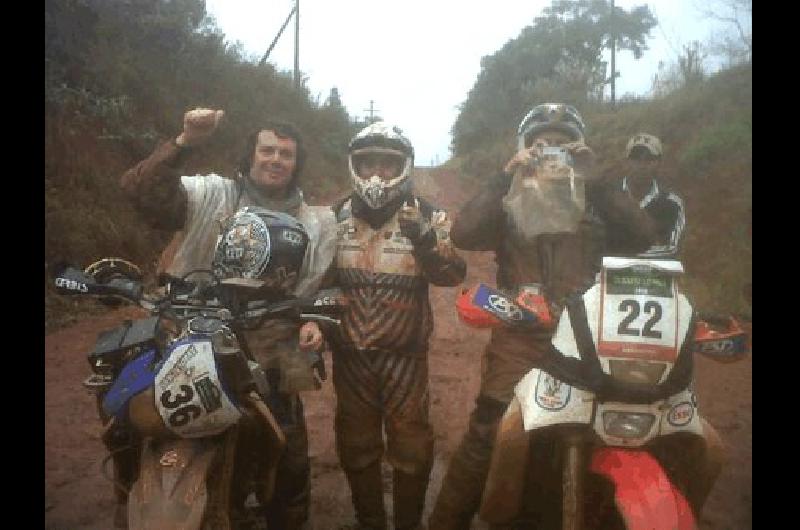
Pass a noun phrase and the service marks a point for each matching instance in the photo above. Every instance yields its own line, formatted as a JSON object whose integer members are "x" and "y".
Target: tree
{"x": 735, "y": 41}
{"x": 558, "y": 56}
{"x": 691, "y": 63}
{"x": 586, "y": 28}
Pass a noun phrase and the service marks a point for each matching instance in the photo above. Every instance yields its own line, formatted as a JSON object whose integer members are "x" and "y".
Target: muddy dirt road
{"x": 77, "y": 495}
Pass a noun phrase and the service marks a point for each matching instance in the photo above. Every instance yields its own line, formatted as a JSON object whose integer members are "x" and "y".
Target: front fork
{"x": 573, "y": 477}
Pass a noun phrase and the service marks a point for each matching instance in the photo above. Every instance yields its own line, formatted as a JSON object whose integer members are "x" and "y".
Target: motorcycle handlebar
{"x": 185, "y": 299}
{"x": 72, "y": 281}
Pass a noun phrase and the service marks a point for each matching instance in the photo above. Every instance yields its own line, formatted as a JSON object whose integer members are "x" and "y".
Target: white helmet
{"x": 381, "y": 138}
{"x": 550, "y": 117}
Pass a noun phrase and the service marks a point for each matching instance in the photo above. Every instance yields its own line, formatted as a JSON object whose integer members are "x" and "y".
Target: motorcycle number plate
{"x": 189, "y": 394}
{"x": 638, "y": 315}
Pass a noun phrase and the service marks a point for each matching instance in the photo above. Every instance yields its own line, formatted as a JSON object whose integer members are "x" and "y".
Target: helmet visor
{"x": 387, "y": 164}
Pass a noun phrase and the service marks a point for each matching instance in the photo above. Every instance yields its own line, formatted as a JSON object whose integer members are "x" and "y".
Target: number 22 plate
{"x": 638, "y": 315}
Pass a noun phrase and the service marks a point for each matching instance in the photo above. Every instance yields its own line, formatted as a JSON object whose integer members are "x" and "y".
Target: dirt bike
{"x": 183, "y": 398}
{"x": 590, "y": 438}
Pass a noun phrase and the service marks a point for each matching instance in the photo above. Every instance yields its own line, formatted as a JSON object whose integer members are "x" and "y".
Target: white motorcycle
{"x": 606, "y": 433}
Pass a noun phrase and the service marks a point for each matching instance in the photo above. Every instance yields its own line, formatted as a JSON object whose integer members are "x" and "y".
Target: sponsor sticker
{"x": 72, "y": 285}
{"x": 551, "y": 394}
{"x": 345, "y": 246}
{"x": 210, "y": 394}
{"x": 630, "y": 281}
{"x": 680, "y": 414}
{"x": 292, "y": 237}
{"x": 398, "y": 250}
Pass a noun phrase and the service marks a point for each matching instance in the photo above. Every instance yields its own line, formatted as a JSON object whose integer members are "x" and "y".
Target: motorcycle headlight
{"x": 637, "y": 371}
{"x": 627, "y": 425}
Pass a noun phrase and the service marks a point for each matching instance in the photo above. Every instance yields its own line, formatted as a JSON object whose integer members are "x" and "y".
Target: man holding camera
{"x": 545, "y": 216}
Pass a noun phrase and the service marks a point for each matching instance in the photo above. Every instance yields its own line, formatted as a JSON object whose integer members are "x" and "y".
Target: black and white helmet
{"x": 380, "y": 138}
{"x": 550, "y": 117}
{"x": 261, "y": 244}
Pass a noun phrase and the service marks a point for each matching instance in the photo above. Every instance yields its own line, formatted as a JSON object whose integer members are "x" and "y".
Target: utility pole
{"x": 275, "y": 40}
{"x": 371, "y": 110}
{"x": 613, "y": 54}
{"x": 297, "y": 44}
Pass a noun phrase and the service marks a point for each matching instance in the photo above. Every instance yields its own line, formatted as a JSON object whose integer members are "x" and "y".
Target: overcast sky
{"x": 418, "y": 59}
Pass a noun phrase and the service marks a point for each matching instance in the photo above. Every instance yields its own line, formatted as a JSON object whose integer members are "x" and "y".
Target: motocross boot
{"x": 366, "y": 487}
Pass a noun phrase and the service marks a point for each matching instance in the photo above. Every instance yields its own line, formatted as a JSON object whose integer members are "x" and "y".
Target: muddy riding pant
{"x": 289, "y": 507}
{"x": 377, "y": 390}
{"x": 509, "y": 355}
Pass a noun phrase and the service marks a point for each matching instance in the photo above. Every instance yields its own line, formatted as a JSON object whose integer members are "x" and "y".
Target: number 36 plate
{"x": 188, "y": 392}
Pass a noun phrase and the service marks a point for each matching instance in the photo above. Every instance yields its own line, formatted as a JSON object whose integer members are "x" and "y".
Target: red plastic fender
{"x": 644, "y": 495}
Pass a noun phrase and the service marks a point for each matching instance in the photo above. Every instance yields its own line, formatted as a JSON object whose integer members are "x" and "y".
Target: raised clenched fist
{"x": 198, "y": 125}
{"x": 310, "y": 337}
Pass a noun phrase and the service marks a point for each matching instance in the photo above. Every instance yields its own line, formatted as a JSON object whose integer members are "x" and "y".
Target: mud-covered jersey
{"x": 385, "y": 279}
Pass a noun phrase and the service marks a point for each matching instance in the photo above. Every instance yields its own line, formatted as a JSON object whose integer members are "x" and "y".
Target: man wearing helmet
{"x": 197, "y": 207}
{"x": 391, "y": 244}
{"x": 548, "y": 232}
{"x": 643, "y": 155}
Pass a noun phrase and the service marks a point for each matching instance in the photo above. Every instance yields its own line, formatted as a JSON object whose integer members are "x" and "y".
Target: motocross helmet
{"x": 550, "y": 117}
{"x": 260, "y": 244}
{"x": 644, "y": 142}
{"x": 380, "y": 138}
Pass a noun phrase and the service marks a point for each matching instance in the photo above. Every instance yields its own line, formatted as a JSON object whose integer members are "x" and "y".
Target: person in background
{"x": 548, "y": 233}
{"x": 643, "y": 155}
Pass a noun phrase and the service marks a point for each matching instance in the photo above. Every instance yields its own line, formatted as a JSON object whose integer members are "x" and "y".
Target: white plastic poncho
{"x": 211, "y": 198}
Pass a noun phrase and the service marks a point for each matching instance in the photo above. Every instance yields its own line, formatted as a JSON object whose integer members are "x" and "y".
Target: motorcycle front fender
{"x": 171, "y": 490}
{"x": 643, "y": 493}
{"x": 546, "y": 401}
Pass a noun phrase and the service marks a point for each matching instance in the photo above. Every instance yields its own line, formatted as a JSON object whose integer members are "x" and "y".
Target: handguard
{"x": 484, "y": 307}
{"x": 722, "y": 340}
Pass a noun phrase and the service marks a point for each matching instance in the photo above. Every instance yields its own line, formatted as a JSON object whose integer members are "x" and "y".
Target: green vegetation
{"x": 706, "y": 128}
{"x": 558, "y": 57}
{"x": 119, "y": 76}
